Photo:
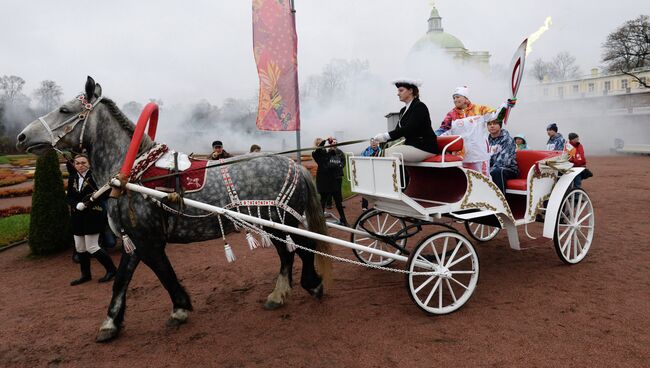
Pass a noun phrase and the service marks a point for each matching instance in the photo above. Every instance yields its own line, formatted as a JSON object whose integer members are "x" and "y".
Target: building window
{"x": 608, "y": 86}
{"x": 592, "y": 87}
{"x": 624, "y": 84}
{"x": 560, "y": 92}
{"x": 576, "y": 89}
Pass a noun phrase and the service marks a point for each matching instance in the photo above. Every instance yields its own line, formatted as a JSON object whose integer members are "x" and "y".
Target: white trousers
{"x": 86, "y": 243}
{"x": 410, "y": 153}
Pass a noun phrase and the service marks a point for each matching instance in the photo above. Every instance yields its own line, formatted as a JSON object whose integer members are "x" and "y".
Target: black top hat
{"x": 217, "y": 144}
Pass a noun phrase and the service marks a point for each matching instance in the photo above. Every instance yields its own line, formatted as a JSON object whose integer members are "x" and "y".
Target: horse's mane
{"x": 124, "y": 121}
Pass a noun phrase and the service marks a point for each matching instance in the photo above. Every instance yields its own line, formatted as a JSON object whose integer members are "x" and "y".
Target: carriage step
{"x": 472, "y": 215}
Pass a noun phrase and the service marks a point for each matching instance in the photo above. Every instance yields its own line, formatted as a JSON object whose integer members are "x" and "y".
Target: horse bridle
{"x": 81, "y": 117}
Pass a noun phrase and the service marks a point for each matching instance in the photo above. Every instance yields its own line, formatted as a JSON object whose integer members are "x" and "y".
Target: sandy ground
{"x": 529, "y": 309}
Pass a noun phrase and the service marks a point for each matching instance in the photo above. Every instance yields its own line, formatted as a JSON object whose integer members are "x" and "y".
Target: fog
{"x": 184, "y": 53}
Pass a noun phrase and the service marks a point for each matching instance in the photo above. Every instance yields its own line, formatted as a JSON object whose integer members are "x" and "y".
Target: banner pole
{"x": 298, "y": 158}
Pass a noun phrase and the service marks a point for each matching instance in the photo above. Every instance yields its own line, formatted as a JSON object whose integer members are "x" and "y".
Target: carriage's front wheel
{"x": 480, "y": 232}
{"x": 381, "y": 223}
{"x": 574, "y": 228}
{"x": 443, "y": 272}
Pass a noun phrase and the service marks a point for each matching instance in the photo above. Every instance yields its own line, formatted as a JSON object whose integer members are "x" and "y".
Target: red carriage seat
{"x": 525, "y": 160}
{"x": 449, "y": 147}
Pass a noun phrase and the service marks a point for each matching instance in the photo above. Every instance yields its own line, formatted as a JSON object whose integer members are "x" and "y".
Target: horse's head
{"x": 64, "y": 127}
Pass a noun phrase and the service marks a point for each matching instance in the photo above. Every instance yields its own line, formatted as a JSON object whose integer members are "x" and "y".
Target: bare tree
{"x": 12, "y": 86}
{"x": 563, "y": 67}
{"x": 48, "y": 95}
{"x": 540, "y": 70}
{"x": 628, "y": 48}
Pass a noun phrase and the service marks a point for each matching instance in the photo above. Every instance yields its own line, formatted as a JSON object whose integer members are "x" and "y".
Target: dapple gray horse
{"x": 94, "y": 123}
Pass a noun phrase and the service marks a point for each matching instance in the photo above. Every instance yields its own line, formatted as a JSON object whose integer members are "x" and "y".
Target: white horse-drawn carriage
{"x": 443, "y": 267}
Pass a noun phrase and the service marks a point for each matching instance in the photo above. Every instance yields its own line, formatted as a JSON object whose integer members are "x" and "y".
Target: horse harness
{"x": 75, "y": 119}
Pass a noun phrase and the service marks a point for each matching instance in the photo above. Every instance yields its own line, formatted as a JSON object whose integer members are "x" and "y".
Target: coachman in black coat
{"x": 415, "y": 126}
{"x": 90, "y": 220}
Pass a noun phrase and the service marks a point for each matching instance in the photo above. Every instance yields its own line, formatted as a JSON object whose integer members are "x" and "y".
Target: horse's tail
{"x": 316, "y": 223}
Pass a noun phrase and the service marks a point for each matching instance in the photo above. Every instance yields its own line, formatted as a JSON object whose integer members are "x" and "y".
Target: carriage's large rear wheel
{"x": 574, "y": 227}
{"x": 480, "y": 232}
{"x": 381, "y": 223}
{"x": 443, "y": 272}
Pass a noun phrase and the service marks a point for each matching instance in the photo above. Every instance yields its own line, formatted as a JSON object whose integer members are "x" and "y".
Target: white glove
{"x": 81, "y": 206}
{"x": 382, "y": 137}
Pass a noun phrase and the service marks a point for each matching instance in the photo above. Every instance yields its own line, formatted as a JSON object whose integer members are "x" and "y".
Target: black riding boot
{"x": 107, "y": 262}
{"x": 84, "y": 263}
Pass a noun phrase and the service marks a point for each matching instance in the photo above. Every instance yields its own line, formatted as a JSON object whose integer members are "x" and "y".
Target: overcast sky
{"x": 185, "y": 51}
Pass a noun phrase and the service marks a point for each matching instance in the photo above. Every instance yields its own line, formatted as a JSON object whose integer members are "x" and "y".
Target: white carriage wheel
{"x": 443, "y": 272}
{"x": 382, "y": 223}
{"x": 480, "y": 232}
{"x": 574, "y": 227}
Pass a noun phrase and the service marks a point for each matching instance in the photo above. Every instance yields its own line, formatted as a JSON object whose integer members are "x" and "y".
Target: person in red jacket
{"x": 577, "y": 156}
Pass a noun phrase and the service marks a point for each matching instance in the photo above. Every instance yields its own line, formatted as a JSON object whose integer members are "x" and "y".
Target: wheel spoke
{"x": 565, "y": 217}
{"x": 462, "y": 272}
{"x": 444, "y": 250}
{"x": 433, "y": 291}
{"x": 391, "y": 226}
{"x": 459, "y": 260}
{"x": 453, "y": 254}
{"x": 451, "y": 291}
{"x": 435, "y": 252}
{"x": 364, "y": 238}
{"x": 561, "y": 236}
{"x": 583, "y": 235}
{"x": 459, "y": 283}
{"x": 566, "y": 243}
{"x": 584, "y": 218}
{"x": 425, "y": 283}
{"x": 383, "y": 224}
{"x": 440, "y": 295}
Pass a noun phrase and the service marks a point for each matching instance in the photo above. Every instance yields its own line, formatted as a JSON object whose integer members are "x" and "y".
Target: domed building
{"x": 437, "y": 38}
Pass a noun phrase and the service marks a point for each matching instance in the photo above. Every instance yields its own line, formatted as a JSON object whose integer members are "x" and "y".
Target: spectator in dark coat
{"x": 329, "y": 175}
{"x": 218, "y": 153}
{"x": 88, "y": 221}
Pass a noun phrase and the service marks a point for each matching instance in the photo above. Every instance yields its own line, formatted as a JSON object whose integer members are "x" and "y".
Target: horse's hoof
{"x": 317, "y": 292}
{"x": 174, "y": 323}
{"x": 178, "y": 317}
{"x": 106, "y": 335}
{"x": 271, "y": 305}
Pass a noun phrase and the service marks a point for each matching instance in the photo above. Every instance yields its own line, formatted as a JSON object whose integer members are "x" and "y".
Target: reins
{"x": 244, "y": 159}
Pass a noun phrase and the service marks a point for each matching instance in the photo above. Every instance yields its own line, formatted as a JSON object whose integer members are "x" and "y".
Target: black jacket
{"x": 92, "y": 220}
{"x": 330, "y": 163}
{"x": 415, "y": 127}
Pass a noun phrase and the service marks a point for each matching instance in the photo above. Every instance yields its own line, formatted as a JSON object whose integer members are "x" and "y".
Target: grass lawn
{"x": 13, "y": 229}
{"x": 4, "y": 160}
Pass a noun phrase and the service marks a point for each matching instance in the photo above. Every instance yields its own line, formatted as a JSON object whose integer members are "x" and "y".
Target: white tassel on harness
{"x": 265, "y": 239}
{"x": 230, "y": 256}
{"x": 291, "y": 245}
{"x": 127, "y": 243}
{"x": 252, "y": 242}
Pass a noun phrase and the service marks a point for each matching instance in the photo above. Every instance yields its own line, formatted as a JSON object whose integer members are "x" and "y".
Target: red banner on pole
{"x": 275, "y": 47}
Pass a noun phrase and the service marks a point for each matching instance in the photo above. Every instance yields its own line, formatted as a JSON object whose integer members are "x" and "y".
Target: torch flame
{"x": 535, "y": 36}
